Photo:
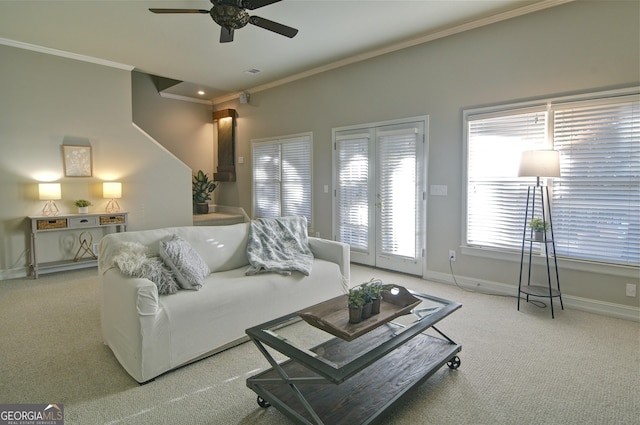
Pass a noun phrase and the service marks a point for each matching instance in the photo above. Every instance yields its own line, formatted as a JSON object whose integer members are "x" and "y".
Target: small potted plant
{"x": 539, "y": 227}
{"x": 368, "y": 302}
{"x": 202, "y": 189}
{"x": 375, "y": 288}
{"x": 83, "y": 206}
{"x": 355, "y": 302}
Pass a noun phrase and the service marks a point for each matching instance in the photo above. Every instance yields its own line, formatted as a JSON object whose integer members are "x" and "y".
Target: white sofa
{"x": 151, "y": 334}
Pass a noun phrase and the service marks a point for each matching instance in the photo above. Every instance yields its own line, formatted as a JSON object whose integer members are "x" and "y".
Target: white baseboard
{"x": 603, "y": 308}
{"x": 14, "y": 273}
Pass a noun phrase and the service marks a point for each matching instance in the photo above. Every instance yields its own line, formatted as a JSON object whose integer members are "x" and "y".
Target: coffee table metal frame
{"x": 290, "y": 386}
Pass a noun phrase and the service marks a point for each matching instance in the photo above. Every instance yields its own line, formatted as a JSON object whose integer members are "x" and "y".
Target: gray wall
{"x": 186, "y": 129}
{"x": 48, "y": 101}
{"x": 573, "y": 48}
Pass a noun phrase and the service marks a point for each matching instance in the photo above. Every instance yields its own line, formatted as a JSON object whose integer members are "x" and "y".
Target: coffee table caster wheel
{"x": 454, "y": 363}
{"x": 263, "y": 403}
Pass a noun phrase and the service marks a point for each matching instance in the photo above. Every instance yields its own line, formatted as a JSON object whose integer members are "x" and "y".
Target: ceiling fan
{"x": 232, "y": 15}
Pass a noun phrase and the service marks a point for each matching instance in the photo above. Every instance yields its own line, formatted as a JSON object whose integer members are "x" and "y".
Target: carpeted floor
{"x": 517, "y": 367}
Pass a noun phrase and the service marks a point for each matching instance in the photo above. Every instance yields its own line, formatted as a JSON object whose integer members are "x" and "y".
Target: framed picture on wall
{"x": 77, "y": 161}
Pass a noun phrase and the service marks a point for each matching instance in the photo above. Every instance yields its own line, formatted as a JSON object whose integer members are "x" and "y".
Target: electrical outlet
{"x": 452, "y": 254}
{"x": 631, "y": 289}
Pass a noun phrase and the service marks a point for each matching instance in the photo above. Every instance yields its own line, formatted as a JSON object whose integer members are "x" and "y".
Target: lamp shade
{"x": 49, "y": 191}
{"x": 112, "y": 190}
{"x": 540, "y": 163}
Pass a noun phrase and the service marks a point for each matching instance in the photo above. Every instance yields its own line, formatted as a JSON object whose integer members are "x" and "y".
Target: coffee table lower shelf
{"x": 362, "y": 398}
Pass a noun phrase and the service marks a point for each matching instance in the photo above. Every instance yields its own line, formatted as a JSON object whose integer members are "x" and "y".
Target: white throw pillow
{"x": 132, "y": 260}
{"x": 187, "y": 265}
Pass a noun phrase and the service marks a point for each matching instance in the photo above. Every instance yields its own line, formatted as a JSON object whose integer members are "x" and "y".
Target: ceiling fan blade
{"x": 273, "y": 26}
{"x": 178, "y": 10}
{"x": 226, "y": 35}
{"x": 254, "y": 4}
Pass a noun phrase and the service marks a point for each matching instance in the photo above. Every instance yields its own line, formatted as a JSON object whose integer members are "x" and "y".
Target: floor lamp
{"x": 539, "y": 163}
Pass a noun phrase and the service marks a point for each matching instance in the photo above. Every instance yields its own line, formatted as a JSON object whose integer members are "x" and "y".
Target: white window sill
{"x": 563, "y": 263}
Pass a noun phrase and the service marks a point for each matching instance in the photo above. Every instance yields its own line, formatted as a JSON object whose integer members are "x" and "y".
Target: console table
{"x": 85, "y": 256}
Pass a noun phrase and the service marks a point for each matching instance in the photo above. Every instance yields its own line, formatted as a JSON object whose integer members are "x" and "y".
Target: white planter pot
{"x": 538, "y": 236}
{"x": 83, "y": 210}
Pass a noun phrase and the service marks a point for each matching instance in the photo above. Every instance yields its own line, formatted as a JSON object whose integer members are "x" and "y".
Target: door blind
{"x": 352, "y": 163}
{"x": 397, "y": 197}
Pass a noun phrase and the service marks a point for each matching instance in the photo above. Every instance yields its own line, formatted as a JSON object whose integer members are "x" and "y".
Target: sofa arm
{"x": 130, "y": 314}
{"x": 336, "y": 252}
{"x": 118, "y": 290}
{"x": 123, "y": 301}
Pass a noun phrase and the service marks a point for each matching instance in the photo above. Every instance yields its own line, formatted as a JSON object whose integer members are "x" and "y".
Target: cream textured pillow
{"x": 187, "y": 265}
{"x": 132, "y": 260}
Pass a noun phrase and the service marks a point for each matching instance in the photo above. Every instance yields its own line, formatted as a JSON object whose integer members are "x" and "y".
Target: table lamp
{"x": 112, "y": 191}
{"x": 49, "y": 192}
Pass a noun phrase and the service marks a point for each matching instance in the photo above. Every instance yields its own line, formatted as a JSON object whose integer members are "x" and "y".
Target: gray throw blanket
{"x": 279, "y": 245}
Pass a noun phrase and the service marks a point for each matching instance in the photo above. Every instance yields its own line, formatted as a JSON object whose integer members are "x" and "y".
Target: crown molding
{"x": 185, "y": 98}
{"x": 65, "y": 54}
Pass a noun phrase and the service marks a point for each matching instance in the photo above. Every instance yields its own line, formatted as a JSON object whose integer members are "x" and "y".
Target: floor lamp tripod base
{"x": 526, "y": 288}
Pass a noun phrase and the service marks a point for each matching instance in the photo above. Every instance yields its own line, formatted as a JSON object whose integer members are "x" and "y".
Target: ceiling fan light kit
{"x": 232, "y": 15}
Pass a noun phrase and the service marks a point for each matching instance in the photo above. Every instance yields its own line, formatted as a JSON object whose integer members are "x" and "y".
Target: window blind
{"x": 496, "y": 197}
{"x": 282, "y": 177}
{"x": 296, "y": 179}
{"x": 266, "y": 181}
{"x": 596, "y": 202}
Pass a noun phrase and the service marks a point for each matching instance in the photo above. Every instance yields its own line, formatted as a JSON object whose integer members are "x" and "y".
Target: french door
{"x": 379, "y": 188}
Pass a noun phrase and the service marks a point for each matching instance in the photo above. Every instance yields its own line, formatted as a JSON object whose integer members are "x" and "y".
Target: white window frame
{"x": 550, "y": 105}
{"x": 283, "y": 140}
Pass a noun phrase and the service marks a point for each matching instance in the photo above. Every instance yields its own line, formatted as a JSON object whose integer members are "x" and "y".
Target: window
{"x": 282, "y": 177}
{"x": 596, "y": 201}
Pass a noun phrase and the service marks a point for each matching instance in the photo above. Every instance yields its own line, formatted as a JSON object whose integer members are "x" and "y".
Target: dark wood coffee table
{"x": 328, "y": 380}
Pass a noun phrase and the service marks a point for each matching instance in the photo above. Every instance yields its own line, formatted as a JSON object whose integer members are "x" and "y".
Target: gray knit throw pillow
{"x": 185, "y": 263}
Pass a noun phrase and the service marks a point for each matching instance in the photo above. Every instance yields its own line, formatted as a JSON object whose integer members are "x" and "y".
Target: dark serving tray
{"x": 332, "y": 316}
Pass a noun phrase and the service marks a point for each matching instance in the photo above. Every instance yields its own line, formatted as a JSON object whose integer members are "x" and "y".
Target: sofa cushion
{"x": 222, "y": 247}
{"x": 187, "y": 265}
{"x": 230, "y": 302}
{"x": 132, "y": 260}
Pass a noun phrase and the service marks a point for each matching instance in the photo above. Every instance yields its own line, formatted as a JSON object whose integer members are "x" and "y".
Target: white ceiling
{"x": 185, "y": 47}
